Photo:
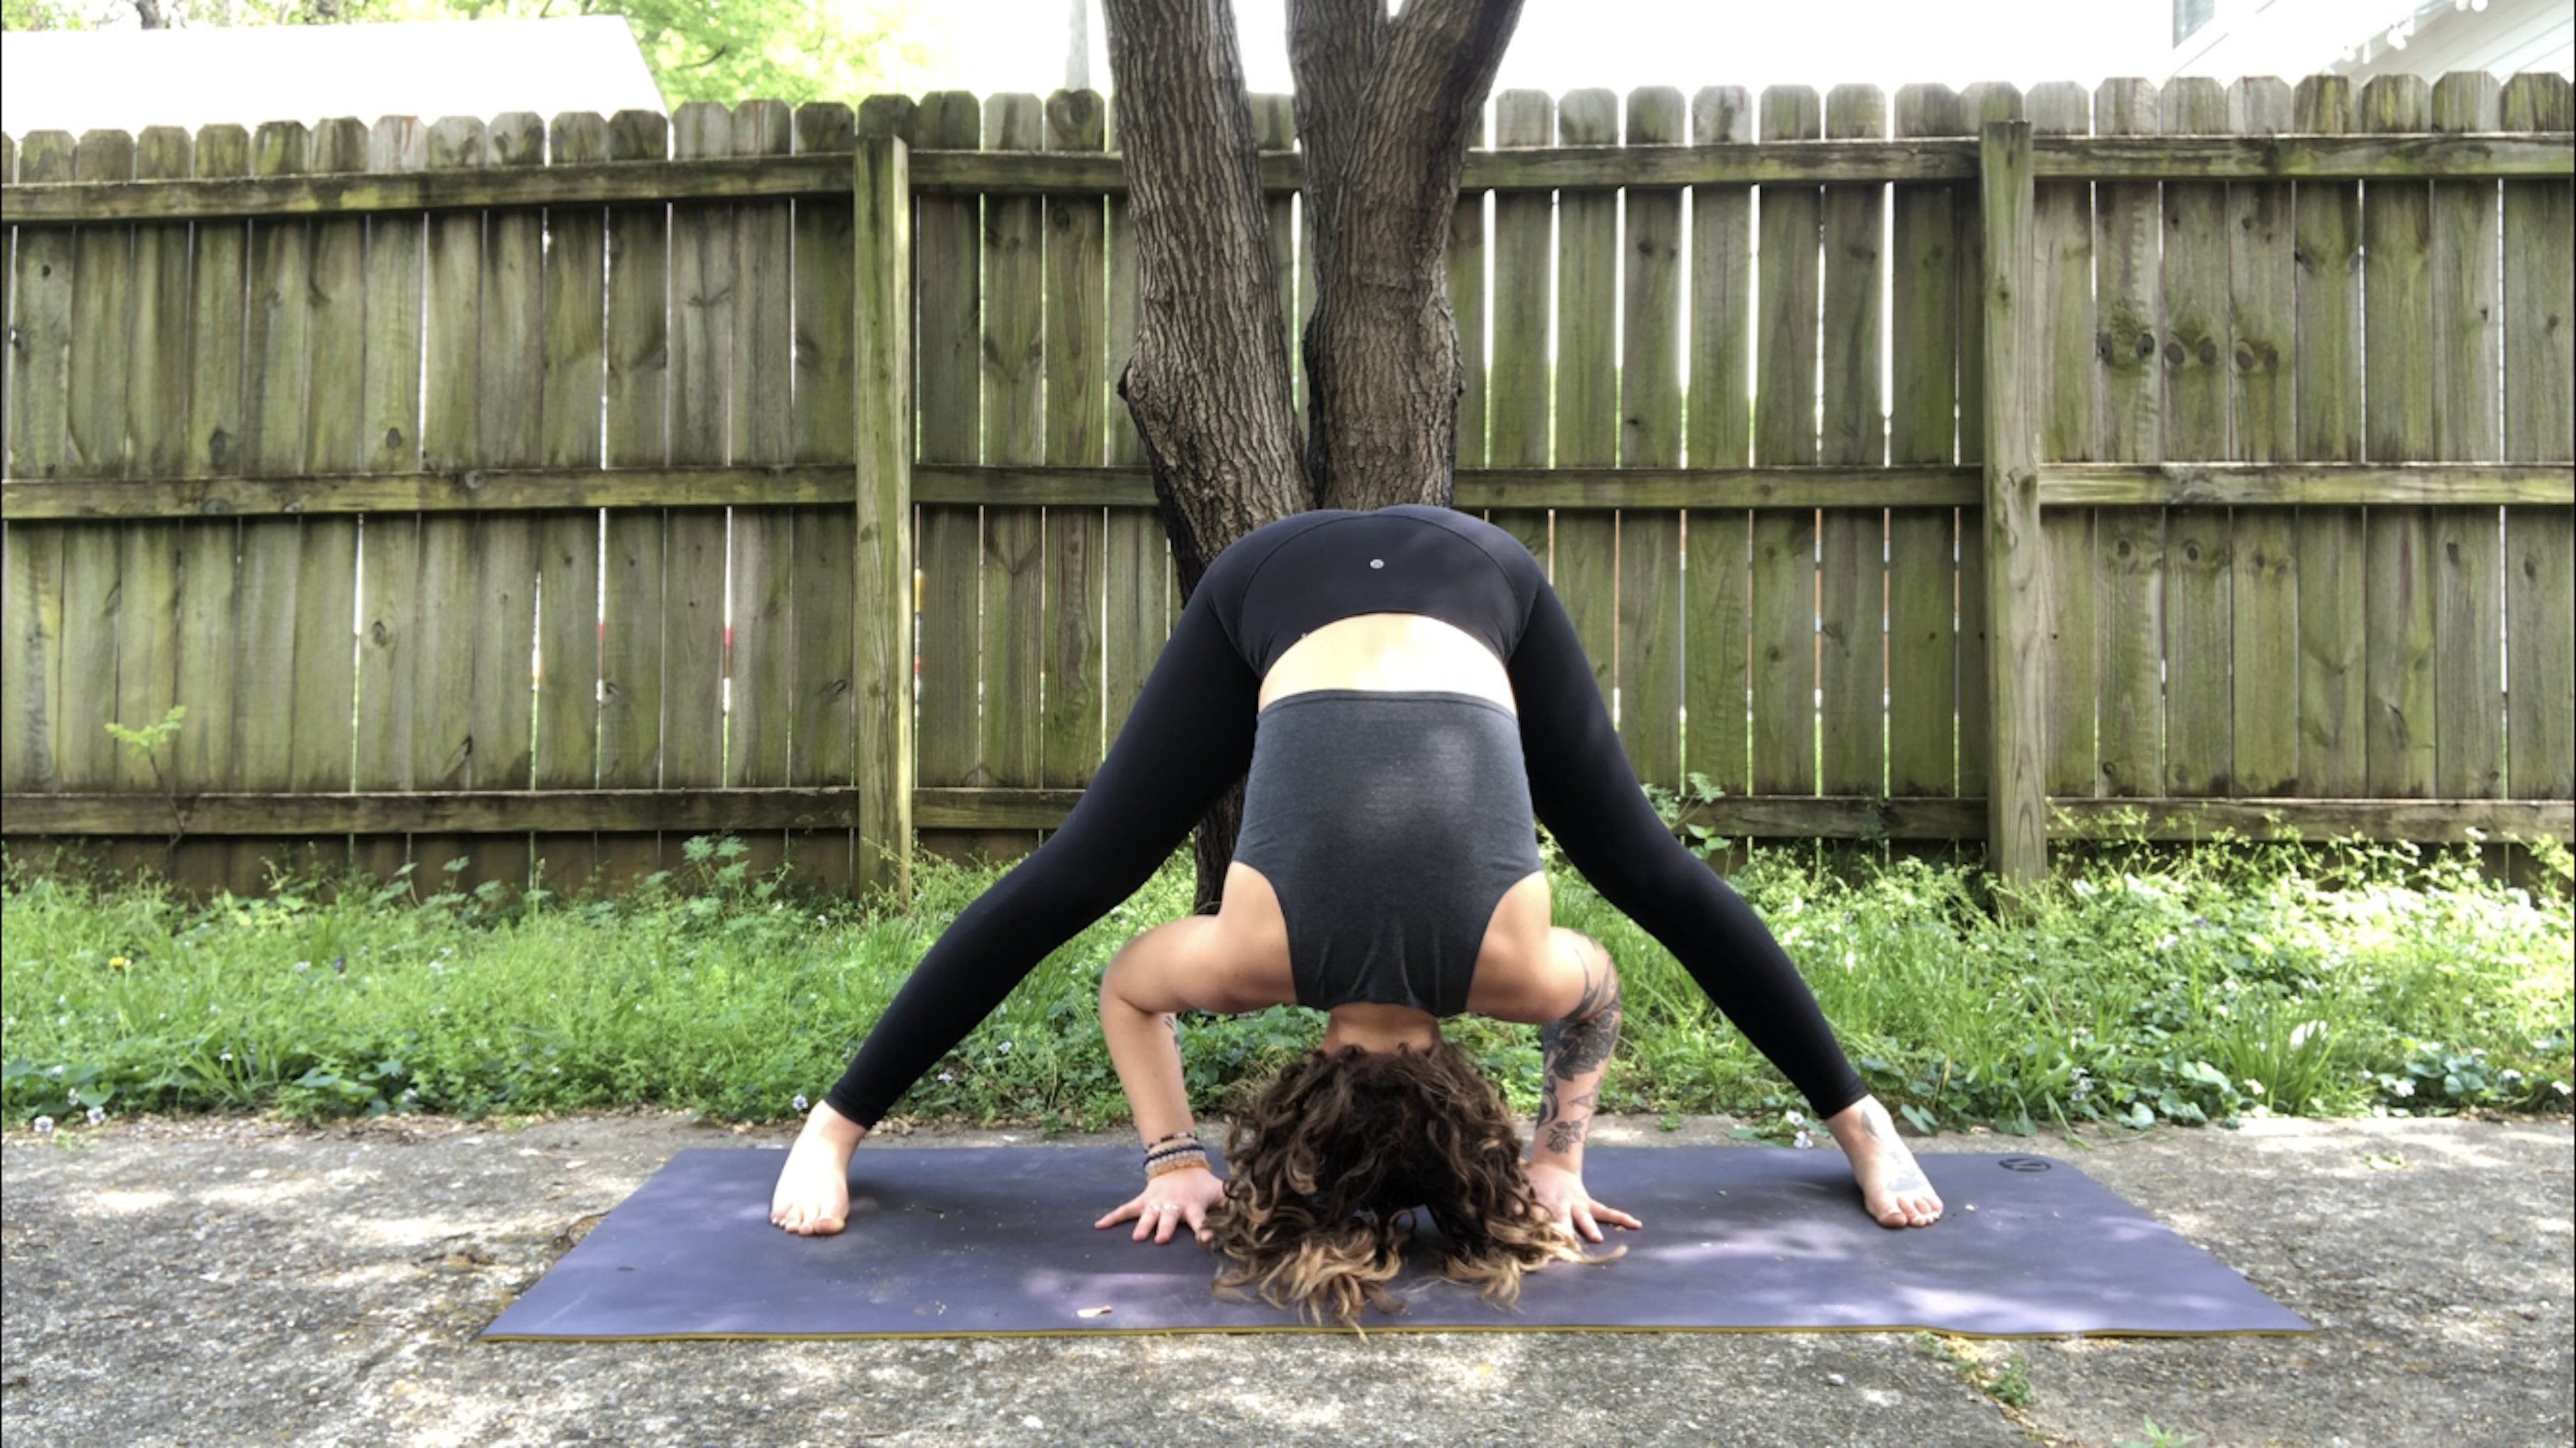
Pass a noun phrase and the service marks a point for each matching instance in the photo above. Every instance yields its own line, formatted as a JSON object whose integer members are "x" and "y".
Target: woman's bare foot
{"x": 1892, "y": 1186}
{"x": 813, "y": 1195}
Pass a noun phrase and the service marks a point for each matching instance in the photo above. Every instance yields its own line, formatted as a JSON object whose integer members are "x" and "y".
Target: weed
{"x": 2183, "y": 989}
{"x": 2007, "y": 1382}
{"x": 2159, "y": 1437}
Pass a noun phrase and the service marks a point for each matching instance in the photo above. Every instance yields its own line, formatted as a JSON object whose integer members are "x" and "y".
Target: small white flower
{"x": 800, "y": 1103}
{"x": 1006, "y": 1048}
{"x": 1804, "y": 1142}
{"x": 97, "y": 1115}
{"x": 226, "y": 1056}
{"x": 2402, "y": 1088}
{"x": 2253, "y": 1087}
{"x": 947, "y": 1075}
{"x": 44, "y": 1125}
{"x": 1794, "y": 1119}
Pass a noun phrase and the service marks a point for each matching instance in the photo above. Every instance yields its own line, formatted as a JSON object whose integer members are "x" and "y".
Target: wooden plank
{"x": 2069, "y": 427}
{"x": 1773, "y": 816}
{"x": 2326, "y": 235}
{"x": 1012, "y": 636}
{"x": 760, "y": 686}
{"x": 1649, "y": 617}
{"x": 2540, "y": 543}
{"x": 633, "y": 433}
{"x": 210, "y": 550}
{"x": 388, "y": 540}
{"x": 564, "y": 745}
{"x": 1024, "y": 173}
{"x": 93, "y": 586}
{"x": 1069, "y": 734}
{"x": 822, "y": 429}
{"x": 705, "y": 303}
{"x": 1136, "y": 615}
{"x": 1465, "y": 286}
{"x": 1587, "y": 386}
{"x": 1923, "y": 358}
{"x": 2263, "y": 550}
{"x": 1126, "y": 488}
{"x": 1783, "y": 667}
{"x": 1516, "y": 429}
{"x": 1274, "y": 132}
{"x": 2307, "y": 485}
{"x": 30, "y": 657}
{"x": 1978, "y": 104}
{"x": 156, "y": 438}
{"x": 2397, "y": 291}
{"x": 949, "y": 254}
{"x": 2129, "y": 572}
{"x": 272, "y": 630}
{"x": 881, "y": 556}
{"x": 332, "y": 420}
{"x": 1717, "y": 575}
{"x": 2197, "y": 352}
{"x": 508, "y": 401}
{"x": 443, "y": 639}
{"x": 1851, "y": 542}
{"x": 2467, "y": 544}
{"x": 2016, "y": 577}
{"x": 8, "y": 278}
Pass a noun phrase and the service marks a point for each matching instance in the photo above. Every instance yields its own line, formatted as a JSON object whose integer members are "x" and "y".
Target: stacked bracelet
{"x": 1179, "y": 1151}
{"x": 1192, "y": 1157}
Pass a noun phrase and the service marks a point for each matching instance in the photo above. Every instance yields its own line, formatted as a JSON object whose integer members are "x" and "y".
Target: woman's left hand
{"x": 1170, "y": 1201}
{"x": 1572, "y": 1207}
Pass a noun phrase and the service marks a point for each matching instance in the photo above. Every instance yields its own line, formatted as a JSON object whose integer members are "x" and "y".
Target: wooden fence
{"x": 1979, "y": 466}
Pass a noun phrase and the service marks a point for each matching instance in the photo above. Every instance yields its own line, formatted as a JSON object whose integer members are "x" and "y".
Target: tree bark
{"x": 1385, "y": 107}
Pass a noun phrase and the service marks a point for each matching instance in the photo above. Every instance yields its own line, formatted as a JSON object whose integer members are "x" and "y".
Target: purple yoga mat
{"x": 978, "y": 1241}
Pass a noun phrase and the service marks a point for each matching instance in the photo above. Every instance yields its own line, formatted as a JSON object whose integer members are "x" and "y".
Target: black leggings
{"x": 1190, "y": 738}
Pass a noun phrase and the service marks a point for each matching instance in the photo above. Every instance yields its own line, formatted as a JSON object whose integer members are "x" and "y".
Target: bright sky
{"x": 1008, "y": 45}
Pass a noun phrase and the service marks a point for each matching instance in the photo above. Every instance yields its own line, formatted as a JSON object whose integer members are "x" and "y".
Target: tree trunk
{"x": 1384, "y": 110}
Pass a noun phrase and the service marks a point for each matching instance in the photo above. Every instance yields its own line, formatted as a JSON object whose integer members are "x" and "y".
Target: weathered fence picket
{"x": 2256, "y": 515}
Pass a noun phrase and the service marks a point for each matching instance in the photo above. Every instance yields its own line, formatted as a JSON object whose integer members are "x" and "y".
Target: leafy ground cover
{"x": 2141, "y": 988}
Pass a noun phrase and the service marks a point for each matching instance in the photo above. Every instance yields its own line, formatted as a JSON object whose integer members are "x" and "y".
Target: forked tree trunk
{"x": 1385, "y": 107}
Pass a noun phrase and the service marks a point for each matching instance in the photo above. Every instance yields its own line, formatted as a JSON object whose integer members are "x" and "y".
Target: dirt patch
{"x": 210, "y": 1281}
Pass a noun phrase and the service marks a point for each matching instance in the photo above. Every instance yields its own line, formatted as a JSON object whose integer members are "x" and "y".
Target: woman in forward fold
{"x": 1418, "y": 693}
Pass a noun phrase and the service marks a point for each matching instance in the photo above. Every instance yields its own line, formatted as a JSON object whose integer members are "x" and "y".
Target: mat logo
{"x": 2022, "y": 1163}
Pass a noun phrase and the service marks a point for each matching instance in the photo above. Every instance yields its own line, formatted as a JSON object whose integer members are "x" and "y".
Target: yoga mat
{"x": 991, "y": 1241}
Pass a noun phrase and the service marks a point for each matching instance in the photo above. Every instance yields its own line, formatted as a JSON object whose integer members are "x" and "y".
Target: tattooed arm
{"x": 1575, "y": 1052}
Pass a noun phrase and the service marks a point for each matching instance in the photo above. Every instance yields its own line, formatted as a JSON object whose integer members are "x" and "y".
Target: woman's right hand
{"x": 1168, "y": 1201}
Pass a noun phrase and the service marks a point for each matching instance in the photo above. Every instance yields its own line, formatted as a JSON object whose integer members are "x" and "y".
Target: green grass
{"x": 2143, "y": 987}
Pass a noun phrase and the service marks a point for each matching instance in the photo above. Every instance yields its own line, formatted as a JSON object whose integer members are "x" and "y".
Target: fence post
{"x": 2016, "y": 577}
{"x": 881, "y": 562}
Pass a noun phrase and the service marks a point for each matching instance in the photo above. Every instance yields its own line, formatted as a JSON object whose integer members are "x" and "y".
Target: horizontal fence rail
{"x": 2248, "y": 485}
{"x": 1922, "y": 469}
{"x": 1036, "y": 173}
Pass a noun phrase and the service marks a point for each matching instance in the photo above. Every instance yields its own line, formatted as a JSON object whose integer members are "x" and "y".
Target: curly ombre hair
{"x": 1343, "y": 1148}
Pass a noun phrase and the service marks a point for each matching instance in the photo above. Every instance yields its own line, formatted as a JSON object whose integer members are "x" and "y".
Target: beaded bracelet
{"x": 1191, "y": 1159}
{"x": 1170, "y": 1136}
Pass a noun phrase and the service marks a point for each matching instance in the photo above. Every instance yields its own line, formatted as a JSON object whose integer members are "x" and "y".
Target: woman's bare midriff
{"x": 1389, "y": 653}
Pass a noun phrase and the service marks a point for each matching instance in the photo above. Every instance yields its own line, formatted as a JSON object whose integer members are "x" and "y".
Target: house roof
{"x": 129, "y": 79}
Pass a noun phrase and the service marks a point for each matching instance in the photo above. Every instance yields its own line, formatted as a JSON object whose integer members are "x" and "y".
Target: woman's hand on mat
{"x": 1168, "y": 1203}
{"x": 1572, "y": 1207}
